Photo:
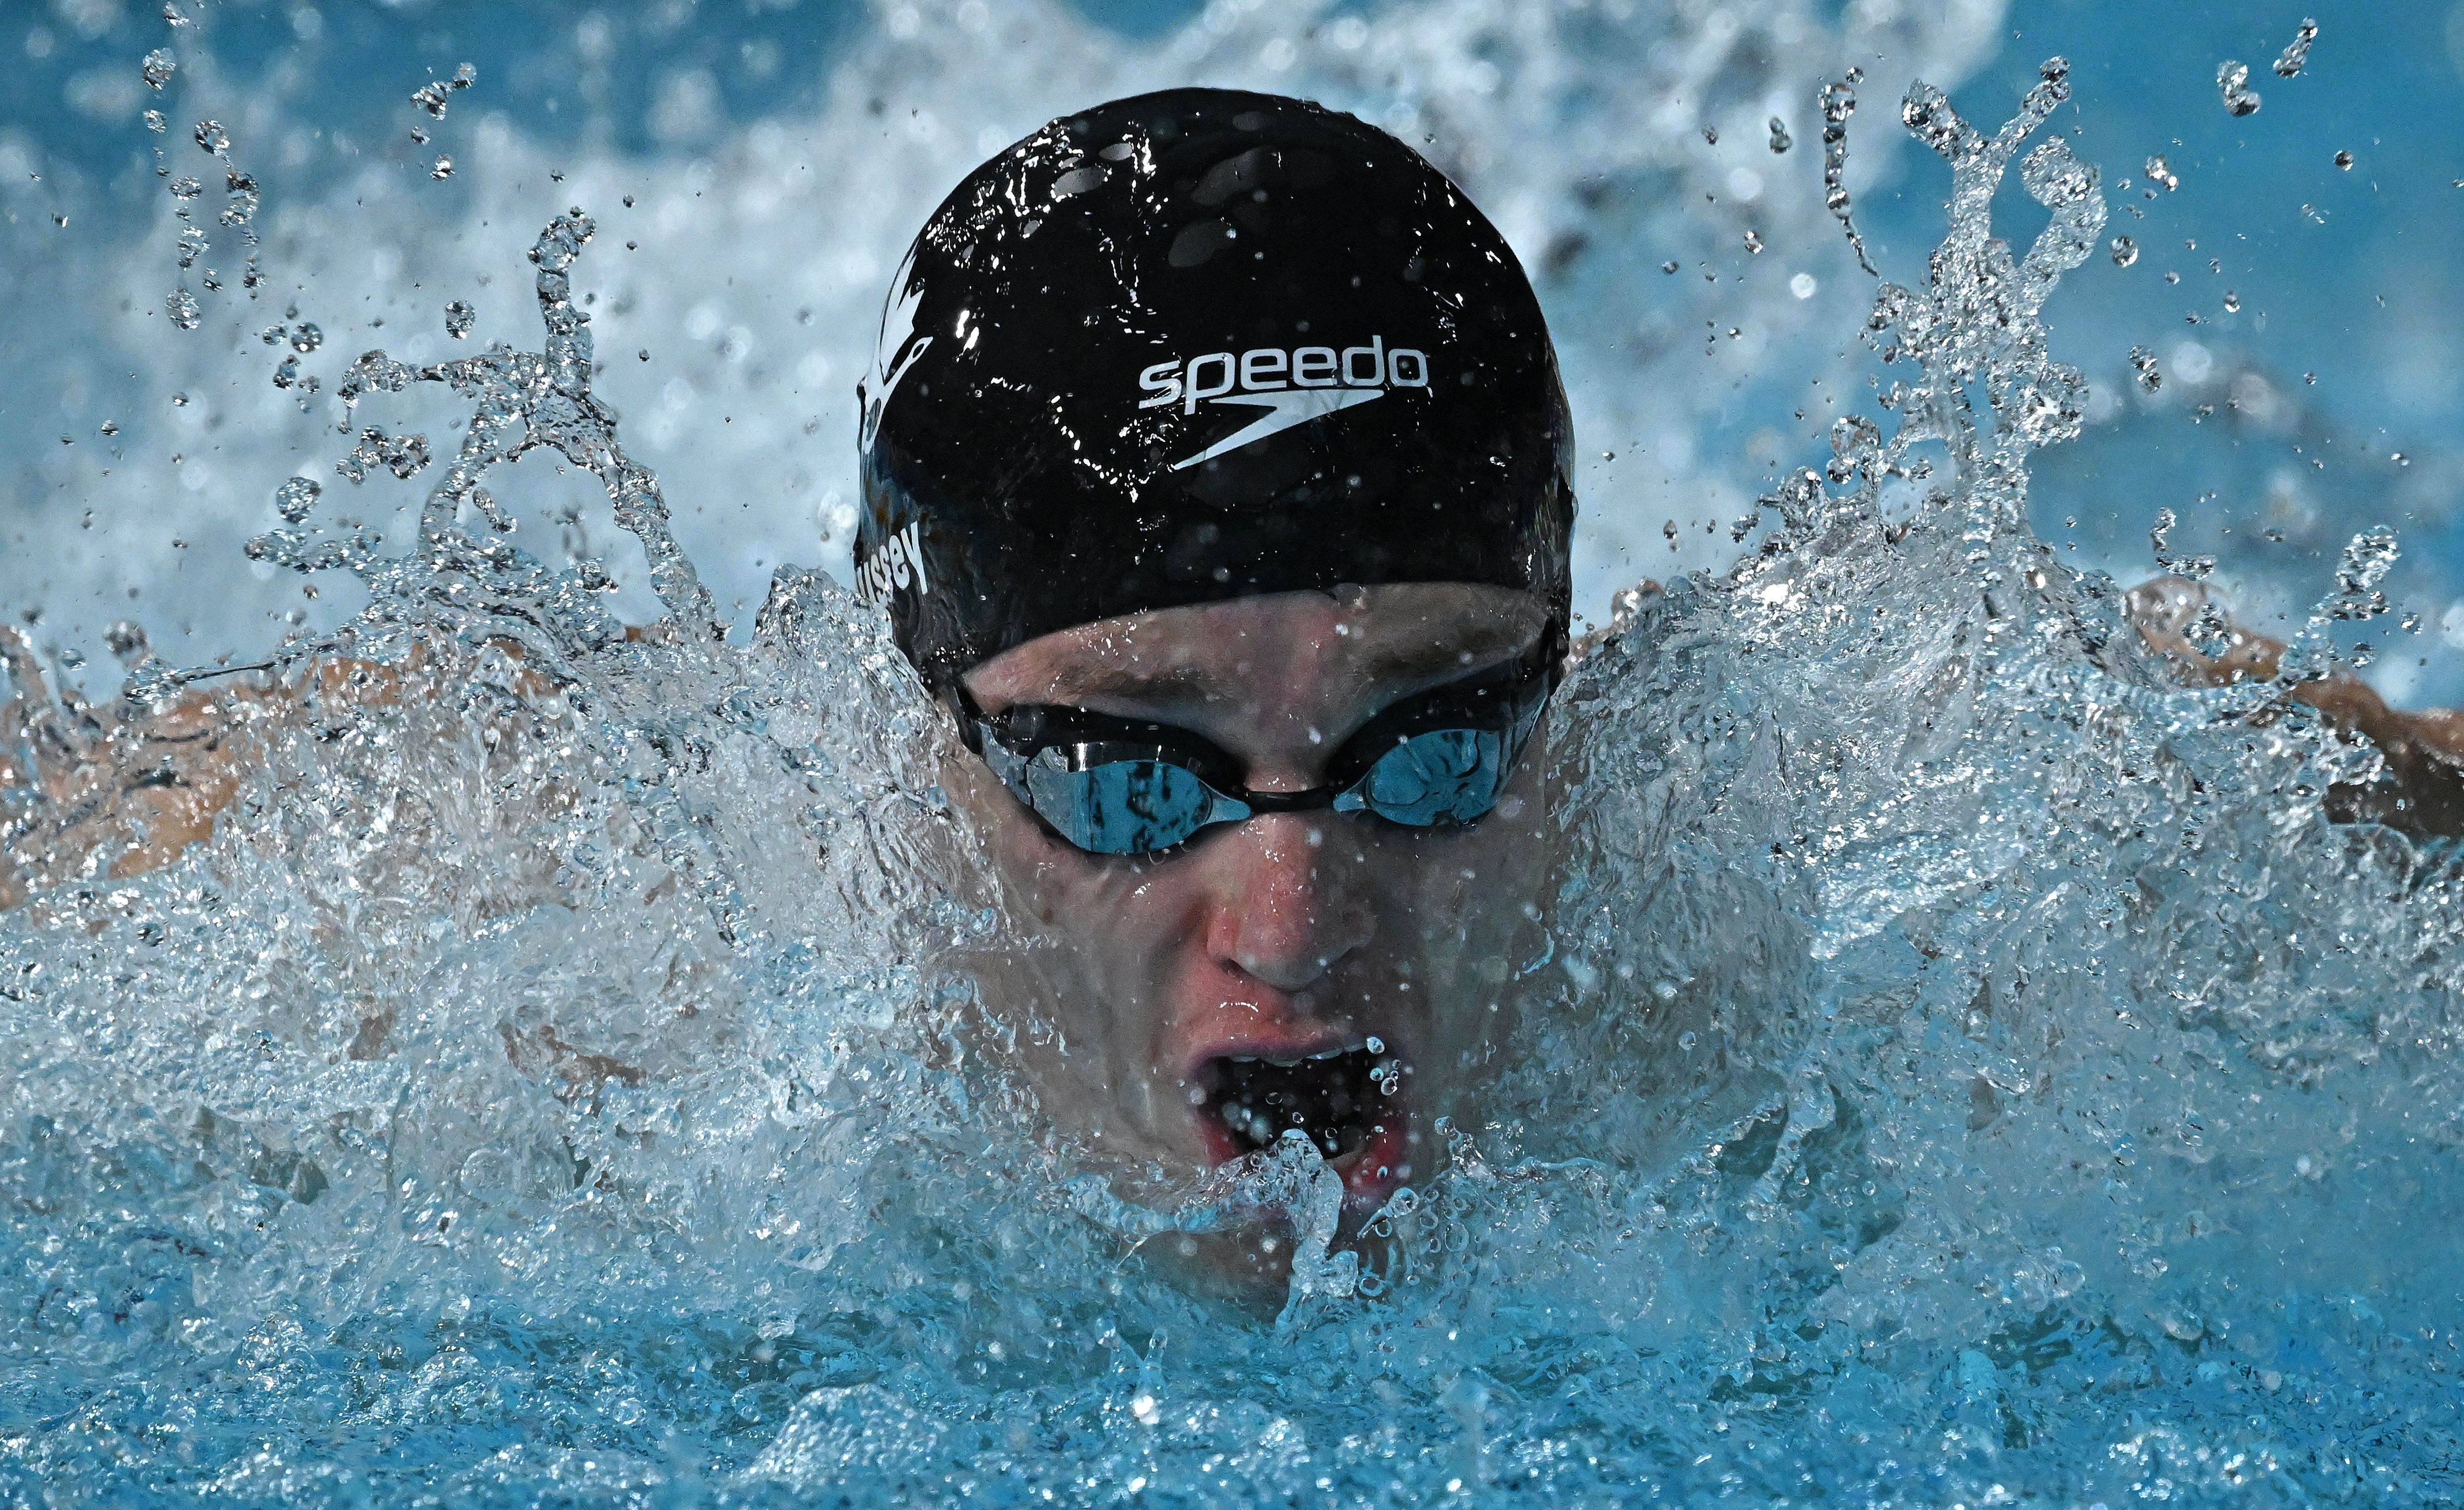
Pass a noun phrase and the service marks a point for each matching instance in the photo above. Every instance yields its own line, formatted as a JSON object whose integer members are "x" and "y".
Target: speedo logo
{"x": 1293, "y": 386}
{"x": 896, "y": 564}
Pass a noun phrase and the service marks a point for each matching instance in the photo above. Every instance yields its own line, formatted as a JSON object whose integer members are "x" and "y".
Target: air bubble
{"x": 2343, "y": 160}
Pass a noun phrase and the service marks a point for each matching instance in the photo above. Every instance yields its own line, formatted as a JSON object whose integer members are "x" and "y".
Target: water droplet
{"x": 1754, "y": 241}
{"x": 179, "y": 400}
{"x": 186, "y": 188}
{"x": 1711, "y": 135}
{"x": 2125, "y": 251}
{"x": 2233, "y": 302}
{"x": 2232, "y": 80}
{"x": 297, "y": 496}
{"x": 1780, "y": 139}
{"x": 154, "y": 120}
{"x": 306, "y": 338}
{"x": 2310, "y": 378}
{"x": 2144, "y": 362}
{"x": 1803, "y": 285}
{"x": 2158, "y": 171}
{"x": 2298, "y": 51}
{"x": 160, "y": 66}
{"x": 111, "y": 426}
{"x": 1669, "y": 266}
{"x": 182, "y": 306}
{"x": 211, "y": 138}
{"x": 2344, "y": 160}
{"x": 458, "y": 318}
{"x": 443, "y": 168}
{"x": 431, "y": 96}
{"x": 2171, "y": 277}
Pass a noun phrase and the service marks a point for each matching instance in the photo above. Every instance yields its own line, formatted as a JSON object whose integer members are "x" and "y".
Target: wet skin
{"x": 1290, "y": 935}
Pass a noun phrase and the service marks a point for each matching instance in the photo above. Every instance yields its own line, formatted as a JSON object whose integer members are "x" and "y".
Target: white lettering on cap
{"x": 1293, "y": 386}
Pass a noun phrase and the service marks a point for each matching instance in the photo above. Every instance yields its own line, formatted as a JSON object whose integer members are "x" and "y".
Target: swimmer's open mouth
{"x": 1340, "y": 1100}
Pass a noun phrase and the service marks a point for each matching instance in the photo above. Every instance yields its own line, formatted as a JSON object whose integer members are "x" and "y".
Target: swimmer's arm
{"x": 115, "y": 791}
{"x": 86, "y": 789}
{"x": 2423, "y": 751}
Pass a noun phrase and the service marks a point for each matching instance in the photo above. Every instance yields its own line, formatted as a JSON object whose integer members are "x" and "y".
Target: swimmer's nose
{"x": 1284, "y": 911}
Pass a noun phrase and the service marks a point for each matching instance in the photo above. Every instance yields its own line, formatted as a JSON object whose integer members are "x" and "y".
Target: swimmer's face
{"x": 1332, "y": 967}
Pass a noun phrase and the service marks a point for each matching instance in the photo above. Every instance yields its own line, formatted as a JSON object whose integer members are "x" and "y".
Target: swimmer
{"x": 1215, "y": 477}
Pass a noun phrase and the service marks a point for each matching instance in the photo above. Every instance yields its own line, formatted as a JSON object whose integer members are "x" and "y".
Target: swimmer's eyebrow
{"x": 1420, "y": 663}
{"x": 1112, "y": 679}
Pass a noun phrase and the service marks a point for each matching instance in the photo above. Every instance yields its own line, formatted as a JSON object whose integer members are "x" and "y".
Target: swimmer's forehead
{"x": 1356, "y": 641}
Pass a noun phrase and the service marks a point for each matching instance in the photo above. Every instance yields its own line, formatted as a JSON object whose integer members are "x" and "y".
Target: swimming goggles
{"x": 1119, "y": 786}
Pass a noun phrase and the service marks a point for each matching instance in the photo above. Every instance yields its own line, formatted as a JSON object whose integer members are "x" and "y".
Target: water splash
{"x": 1839, "y": 102}
{"x": 558, "y": 1077}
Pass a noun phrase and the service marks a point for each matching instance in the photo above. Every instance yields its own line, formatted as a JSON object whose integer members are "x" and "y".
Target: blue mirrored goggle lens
{"x": 1125, "y": 807}
{"x": 1445, "y": 775}
{"x": 1135, "y": 807}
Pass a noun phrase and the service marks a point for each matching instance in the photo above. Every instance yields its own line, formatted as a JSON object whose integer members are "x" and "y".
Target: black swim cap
{"x": 1196, "y": 346}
